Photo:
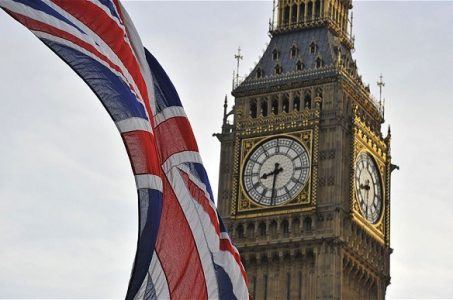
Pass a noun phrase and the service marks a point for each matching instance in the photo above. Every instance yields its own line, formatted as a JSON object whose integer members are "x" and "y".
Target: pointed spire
{"x": 225, "y": 107}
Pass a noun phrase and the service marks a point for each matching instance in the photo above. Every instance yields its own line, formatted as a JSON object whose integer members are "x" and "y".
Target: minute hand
{"x": 275, "y": 173}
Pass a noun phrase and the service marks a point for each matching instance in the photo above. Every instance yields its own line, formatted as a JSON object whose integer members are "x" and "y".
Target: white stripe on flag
{"x": 133, "y": 124}
{"x": 158, "y": 279}
{"x": 139, "y": 52}
{"x": 168, "y": 113}
{"x": 148, "y": 181}
{"x": 180, "y": 158}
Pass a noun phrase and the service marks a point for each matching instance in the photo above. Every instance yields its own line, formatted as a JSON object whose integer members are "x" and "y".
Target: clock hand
{"x": 275, "y": 173}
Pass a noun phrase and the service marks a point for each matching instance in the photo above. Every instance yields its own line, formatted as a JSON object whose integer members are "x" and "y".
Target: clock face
{"x": 368, "y": 187}
{"x": 276, "y": 171}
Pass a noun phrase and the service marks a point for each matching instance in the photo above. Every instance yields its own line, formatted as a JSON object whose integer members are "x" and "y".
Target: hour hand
{"x": 365, "y": 187}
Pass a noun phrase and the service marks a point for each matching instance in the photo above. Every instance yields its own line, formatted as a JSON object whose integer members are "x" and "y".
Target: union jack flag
{"x": 183, "y": 249}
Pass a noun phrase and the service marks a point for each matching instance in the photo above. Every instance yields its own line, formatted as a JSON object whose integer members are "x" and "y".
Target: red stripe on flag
{"x": 175, "y": 135}
{"x": 113, "y": 35}
{"x": 199, "y": 195}
{"x": 179, "y": 256}
{"x": 142, "y": 152}
{"x": 225, "y": 245}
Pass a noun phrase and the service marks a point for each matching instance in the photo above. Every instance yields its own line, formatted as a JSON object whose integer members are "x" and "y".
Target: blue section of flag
{"x": 114, "y": 94}
{"x": 150, "y": 210}
{"x": 166, "y": 94}
{"x": 224, "y": 282}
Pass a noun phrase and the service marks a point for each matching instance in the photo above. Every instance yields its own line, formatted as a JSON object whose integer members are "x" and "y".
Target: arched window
{"x": 278, "y": 69}
{"x": 273, "y": 227}
{"x": 296, "y": 103}
{"x": 285, "y": 228}
{"x": 313, "y": 48}
{"x": 240, "y": 231}
{"x": 294, "y": 13}
{"x": 302, "y": 12}
{"x": 294, "y": 51}
{"x": 253, "y": 110}
{"x": 307, "y": 100}
{"x": 285, "y": 104}
{"x": 319, "y": 63}
{"x": 259, "y": 73}
{"x": 310, "y": 10}
{"x": 318, "y": 9}
{"x": 286, "y": 15}
{"x": 264, "y": 108}
{"x": 251, "y": 230}
{"x": 275, "y": 106}
{"x": 275, "y": 54}
{"x": 307, "y": 224}
{"x": 296, "y": 226}
{"x": 299, "y": 66}
{"x": 262, "y": 229}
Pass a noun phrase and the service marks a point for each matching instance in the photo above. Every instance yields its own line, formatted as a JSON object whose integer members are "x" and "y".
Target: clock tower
{"x": 304, "y": 182}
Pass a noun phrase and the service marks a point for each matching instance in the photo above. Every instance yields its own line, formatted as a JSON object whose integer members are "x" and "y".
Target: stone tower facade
{"x": 304, "y": 183}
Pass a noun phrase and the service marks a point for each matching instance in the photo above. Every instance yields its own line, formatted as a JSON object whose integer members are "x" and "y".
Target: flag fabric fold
{"x": 183, "y": 249}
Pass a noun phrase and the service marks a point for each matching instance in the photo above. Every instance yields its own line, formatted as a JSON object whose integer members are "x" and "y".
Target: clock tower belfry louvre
{"x": 304, "y": 183}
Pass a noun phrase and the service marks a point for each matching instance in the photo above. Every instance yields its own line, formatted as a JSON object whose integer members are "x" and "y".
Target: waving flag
{"x": 183, "y": 249}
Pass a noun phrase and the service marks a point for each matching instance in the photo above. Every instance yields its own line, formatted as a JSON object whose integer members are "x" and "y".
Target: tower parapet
{"x": 298, "y": 14}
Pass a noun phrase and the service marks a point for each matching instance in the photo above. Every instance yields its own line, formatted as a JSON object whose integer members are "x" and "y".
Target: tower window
{"x": 262, "y": 229}
{"x": 317, "y": 9}
{"x": 302, "y": 12}
{"x": 294, "y": 13}
{"x": 294, "y": 51}
{"x": 253, "y": 109}
{"x": 264, "y": 108}
{"x": 285, "y": 104}
{"x": 275, "y": 106}
{"x": 251, "y": 230}
{"x": 286, "y": 15}
{"x": 299, "y": 66}
{"x": 285, "y": 228}
{"x": 259, "y": 73}
{"x": 278, "y": 69}
{"x": 307, "y": 224}
{"x": 307, "y": 100}
{"x": 310, "y": 10}
{"x": 319, "y": 63}
{"x": 275, "y": 54}
{"x": 273, "y": 227}
{"x": 313, "y": 48}
{"x": 296, "y": 103}
{"x": 296, "y": 226}
{"x": 240, "y": 231}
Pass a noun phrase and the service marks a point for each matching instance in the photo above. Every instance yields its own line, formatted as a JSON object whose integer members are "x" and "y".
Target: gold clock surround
{"x": 305, "y": 199}
{"x": 365, "y": 141}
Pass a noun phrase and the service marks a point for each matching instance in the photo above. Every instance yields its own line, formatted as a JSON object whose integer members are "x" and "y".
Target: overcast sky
{"x": 68, "y": 205}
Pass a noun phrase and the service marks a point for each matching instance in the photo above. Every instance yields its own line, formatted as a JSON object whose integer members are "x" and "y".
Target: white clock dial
{"x": 276, "y": 171}
{"x": 368, "y": 187}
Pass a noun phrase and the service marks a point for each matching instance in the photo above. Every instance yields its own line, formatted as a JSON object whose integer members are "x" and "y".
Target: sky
{"x": 68, "y": 204}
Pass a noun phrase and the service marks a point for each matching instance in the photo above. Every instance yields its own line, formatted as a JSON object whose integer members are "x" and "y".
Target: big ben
{"x": 304, "y": 183}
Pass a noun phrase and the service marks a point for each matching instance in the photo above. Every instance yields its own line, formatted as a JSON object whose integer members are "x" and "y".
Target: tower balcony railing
{"x": 311, "y": 22}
